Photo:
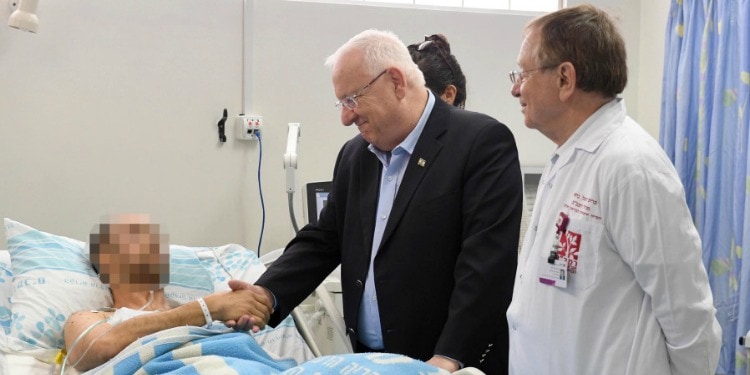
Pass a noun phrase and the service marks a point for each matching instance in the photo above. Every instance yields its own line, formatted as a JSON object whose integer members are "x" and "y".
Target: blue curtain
{"x": 704, "y": 130}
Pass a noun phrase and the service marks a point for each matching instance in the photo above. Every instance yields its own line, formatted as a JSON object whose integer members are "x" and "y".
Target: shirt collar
{"x": 590, "y": 134}
{"x": 611, "y": 113}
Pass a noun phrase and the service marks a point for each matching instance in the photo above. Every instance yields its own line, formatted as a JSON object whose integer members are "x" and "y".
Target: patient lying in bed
{"x": 144, "y": 333}
{"x": 132, "y": 256}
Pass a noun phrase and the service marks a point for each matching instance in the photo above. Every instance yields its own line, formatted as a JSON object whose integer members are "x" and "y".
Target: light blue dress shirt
{"x": 394, "y": 166}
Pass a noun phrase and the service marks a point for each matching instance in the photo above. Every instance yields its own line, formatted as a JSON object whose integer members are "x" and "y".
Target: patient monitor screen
{"x": 320, "y": 201}
{"x": 317, "y": 197}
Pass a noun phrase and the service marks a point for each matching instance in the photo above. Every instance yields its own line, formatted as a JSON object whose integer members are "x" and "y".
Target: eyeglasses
{"x": 351, "y": 100}
{"x": 518, "y": 76}
{"x": 427, "y": 42}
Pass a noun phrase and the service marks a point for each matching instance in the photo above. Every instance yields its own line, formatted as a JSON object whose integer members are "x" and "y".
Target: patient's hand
{"x": 241, "y": 302}
{"x": 254, "y": 318}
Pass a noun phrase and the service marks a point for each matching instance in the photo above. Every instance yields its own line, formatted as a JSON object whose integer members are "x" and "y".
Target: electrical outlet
{"x": 246, "y": 126}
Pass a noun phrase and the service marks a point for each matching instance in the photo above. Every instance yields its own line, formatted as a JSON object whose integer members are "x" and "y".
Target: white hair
{"x": 380, "y": 49}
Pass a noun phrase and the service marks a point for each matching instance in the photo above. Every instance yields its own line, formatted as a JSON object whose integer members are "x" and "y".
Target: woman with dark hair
{"x": 441, "y": 70}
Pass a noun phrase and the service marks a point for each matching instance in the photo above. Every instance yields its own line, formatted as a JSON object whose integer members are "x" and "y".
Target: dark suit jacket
{"x": 445, "y": 268}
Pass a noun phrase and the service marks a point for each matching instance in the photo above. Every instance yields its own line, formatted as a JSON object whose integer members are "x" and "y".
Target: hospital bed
{"x": 61, "y": 292}
{"x": 314, "y": 333}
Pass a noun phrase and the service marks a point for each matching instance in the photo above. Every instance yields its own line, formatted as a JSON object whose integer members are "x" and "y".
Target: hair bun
{"x": 441, "y": 41}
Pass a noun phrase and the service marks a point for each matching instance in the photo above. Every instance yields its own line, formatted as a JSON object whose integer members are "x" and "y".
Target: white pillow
{"x": 188, "y": 278}
{"x": 219, "y": 264}
{"x": 54, "y": 278}
{"x": 230, "y": 261}
{"x": 6, "y": 290}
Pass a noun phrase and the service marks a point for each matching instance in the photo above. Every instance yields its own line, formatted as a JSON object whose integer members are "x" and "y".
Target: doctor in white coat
{"x": 610, "y": 278}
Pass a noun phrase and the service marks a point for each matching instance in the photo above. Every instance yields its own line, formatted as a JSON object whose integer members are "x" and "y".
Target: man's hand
{"x": 444, "y": 363}
{"x": 246, "y": 307}
{"x": 250, "y": 319}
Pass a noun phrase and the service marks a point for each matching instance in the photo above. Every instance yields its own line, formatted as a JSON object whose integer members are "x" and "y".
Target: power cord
{"x": 260, "y": 191}
{"x": 79, "y": 338}
{"x": 290, "y": 201}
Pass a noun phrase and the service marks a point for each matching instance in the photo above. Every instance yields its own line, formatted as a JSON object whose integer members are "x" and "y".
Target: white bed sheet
{"x": 281, "y": 343}
{"x": 25, "y": 364}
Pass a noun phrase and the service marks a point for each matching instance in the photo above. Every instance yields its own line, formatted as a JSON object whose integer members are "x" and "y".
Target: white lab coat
{"x": 639, "y": 301}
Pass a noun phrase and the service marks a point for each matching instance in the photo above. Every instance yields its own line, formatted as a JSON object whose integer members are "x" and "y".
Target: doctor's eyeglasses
{"x": 518, "y": 76}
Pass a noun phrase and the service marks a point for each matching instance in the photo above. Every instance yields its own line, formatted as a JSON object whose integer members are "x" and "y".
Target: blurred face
{"x": 374, "y": 107}
{"x": 132, "y": 256}
{"x": 536, "y": 88}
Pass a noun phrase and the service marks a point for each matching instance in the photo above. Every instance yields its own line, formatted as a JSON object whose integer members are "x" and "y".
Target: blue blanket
{"x": 195, "y": 350}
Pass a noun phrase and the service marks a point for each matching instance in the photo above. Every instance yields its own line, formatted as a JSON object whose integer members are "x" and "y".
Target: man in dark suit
{"x": 423, "y": 217}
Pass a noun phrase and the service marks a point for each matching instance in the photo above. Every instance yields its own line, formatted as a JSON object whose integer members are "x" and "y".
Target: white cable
{"x": 338, "y": 322}
{"x": 218, "y": 260}
{"x": 81, "y": 336}
{"x": 304, "y": 329}
{"x": 150, "y": 300}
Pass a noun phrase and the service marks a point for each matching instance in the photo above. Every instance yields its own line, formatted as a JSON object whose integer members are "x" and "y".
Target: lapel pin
{"x": 421, "y": 162}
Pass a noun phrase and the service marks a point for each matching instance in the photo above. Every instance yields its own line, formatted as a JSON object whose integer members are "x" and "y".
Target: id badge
{"x": 555, "y": 269}
{"x": 555, "y": 274}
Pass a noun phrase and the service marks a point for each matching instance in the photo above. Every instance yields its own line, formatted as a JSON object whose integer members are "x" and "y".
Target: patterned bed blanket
{"x": 195, "y": 350}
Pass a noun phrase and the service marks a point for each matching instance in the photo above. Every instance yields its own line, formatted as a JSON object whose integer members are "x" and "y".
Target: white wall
{"x": 113, "y": 105}
{"x": 653, "y": 22}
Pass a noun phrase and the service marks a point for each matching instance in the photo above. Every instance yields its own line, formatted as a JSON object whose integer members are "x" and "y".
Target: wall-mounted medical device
{"x": 290, "y": 166}
{"x": 290, "y": 157}
{"x": 247, "y": 127}
{"x": 24, "y": 16}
